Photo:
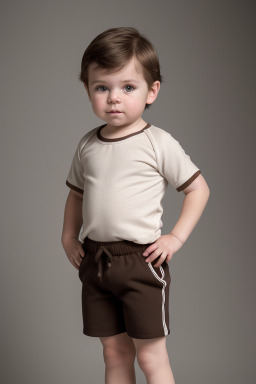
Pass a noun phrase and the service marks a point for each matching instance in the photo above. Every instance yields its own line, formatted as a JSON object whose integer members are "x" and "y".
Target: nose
{"x": 114, "y": 97}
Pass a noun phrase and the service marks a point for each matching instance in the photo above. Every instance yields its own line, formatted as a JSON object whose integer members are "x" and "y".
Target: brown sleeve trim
{"x": 189, "y": 181}
{"x": 74, "y": 187}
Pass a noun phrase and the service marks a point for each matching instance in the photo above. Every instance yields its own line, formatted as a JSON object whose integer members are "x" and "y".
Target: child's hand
{"x": 165, "y": 246}
{"x": 74, "y": 250}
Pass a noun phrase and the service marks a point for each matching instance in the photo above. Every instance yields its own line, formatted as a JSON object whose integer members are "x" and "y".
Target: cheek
{"x": 136, "y": 104}
{"x": 97, "y": 102}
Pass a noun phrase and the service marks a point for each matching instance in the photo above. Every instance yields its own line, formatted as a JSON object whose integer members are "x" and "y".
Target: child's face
{"x": 126, "y": 91}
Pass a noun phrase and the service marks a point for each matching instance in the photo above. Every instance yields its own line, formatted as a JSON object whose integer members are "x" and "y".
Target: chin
{"x": 113, "y": 122}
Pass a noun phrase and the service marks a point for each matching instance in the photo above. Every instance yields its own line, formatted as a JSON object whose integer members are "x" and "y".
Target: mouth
{"x": 114, "y": 111}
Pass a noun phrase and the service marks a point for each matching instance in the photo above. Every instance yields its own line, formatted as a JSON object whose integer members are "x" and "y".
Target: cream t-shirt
{"x": 123, "y": 181}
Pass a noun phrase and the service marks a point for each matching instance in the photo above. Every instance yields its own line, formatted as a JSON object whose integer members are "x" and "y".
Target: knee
{"x": 150, "y": 362}
{"x": 116, "y": 356}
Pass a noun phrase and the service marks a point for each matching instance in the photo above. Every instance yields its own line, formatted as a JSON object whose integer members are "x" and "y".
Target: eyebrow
{"x": 123, "y": 81}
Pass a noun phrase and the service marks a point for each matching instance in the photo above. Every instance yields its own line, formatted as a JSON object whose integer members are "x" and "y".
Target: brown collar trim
{"x": 119, "y": 138}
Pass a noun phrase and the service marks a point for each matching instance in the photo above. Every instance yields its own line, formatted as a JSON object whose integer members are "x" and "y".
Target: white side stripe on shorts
{"x": 163, "y": 293}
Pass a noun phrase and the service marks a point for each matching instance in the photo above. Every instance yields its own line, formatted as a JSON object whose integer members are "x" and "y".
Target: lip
{"x": 114, "y": 111}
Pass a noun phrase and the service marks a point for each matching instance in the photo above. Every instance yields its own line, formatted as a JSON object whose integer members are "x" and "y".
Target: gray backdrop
{"x": 207, "y": 101}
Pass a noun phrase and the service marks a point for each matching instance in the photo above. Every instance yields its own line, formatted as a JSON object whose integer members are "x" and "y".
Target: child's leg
{"x": 153, "y": 359}
{"x": 119, "y": 356}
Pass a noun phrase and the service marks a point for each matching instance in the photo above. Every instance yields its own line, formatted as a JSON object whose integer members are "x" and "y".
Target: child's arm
{"x": 71, "y": 227}
{"x": 196, "y": 197}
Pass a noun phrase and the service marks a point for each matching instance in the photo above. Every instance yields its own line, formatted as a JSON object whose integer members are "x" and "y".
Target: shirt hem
{"x": 74, "y": 187}
{"x": 189, "y": 181}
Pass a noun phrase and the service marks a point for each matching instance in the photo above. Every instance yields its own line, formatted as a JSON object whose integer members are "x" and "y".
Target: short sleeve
{"x": 75, "y": 178}
{"x": 174, "y": 164}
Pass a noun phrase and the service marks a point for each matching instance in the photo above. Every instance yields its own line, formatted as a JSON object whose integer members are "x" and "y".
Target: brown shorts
{"x": 121, "y": 292}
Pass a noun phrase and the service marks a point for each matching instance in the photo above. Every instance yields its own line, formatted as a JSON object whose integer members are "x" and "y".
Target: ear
{"x": 87, "y": 90}
{"x": 153, "y": 92}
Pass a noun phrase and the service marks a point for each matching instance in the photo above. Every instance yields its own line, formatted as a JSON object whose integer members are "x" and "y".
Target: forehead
{"x": 130, "y": 71}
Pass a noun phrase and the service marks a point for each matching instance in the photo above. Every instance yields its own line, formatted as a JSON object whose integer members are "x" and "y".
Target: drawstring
{"x": 98, "y": 259}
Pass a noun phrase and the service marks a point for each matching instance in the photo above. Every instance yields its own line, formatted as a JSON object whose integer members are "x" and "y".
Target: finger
{"x": 150, "y": 249}
{"x": 153, "y": 255}
{"x": 81, "y": 251}
{"x": 168, "y": 258}
{"x": 75, "y": 265}
{"x": 77, "y": 262}
{"x": 73, "y": 261}
{"x": 160, "y": 260}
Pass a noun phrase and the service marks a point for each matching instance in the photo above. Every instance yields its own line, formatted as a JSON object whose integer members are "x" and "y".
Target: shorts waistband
{"x": 122, "y": 247}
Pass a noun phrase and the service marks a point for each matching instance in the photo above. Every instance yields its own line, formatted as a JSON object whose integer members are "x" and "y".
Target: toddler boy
{"x": 117, "y": 179}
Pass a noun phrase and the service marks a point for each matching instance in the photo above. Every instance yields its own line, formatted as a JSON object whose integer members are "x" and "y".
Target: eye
{"x": 129, "y": 88}
{"x": 101, "y": 88}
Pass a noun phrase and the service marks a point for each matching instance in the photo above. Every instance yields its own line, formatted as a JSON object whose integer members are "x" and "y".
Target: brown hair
{"x": 115, "y": 47}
